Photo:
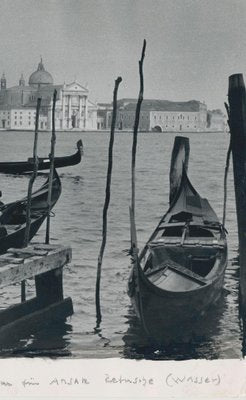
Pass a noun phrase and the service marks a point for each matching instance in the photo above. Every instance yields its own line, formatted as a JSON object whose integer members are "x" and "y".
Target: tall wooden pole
{"x": 51, "y": 157}
{"x": 237, "y": 124}
{"x": 33, "y": 176}
{"x": 29, "y": 194}
{"x": 106, "y": 202}
{"x": 134, "y": 146}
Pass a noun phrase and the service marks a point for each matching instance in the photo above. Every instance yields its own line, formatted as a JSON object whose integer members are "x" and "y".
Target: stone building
{"x": 103, "y": 115}
{"x": 164, "y": 116}
{"x": 74, "y": 110}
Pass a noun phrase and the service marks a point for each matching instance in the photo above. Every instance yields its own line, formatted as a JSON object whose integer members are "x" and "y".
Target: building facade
{"x": 73, "y": 109}
{"x": 103, "y": 115}
{"x": 167, "y": 116}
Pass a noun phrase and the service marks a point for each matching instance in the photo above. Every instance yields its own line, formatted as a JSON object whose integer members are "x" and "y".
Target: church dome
{"x": 41, "y": 77}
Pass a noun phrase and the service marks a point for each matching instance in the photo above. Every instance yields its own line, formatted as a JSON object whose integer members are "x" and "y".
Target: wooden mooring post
{"x": 106, "y": 204}
{"x": 29, "y": 192}
{"x": 52, "y": 165}
{"x": 237, "y": 124}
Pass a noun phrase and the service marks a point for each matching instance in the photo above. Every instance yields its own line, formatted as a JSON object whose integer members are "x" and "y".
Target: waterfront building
{"x": 167, "y": 116}
{"x": 104, "y": 115}
{"x": 74, "y": 110}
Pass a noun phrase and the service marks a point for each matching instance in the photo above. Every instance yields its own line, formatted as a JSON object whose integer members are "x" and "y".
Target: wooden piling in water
{"x": 33, "y": 176}
{"x": 136, "y": 124}
{"x": 106, "y": 203}
{"x": 134, "y": 151}
{"x": 179, "y": 160}
{"x": 237, "y": 123}
{"x": 52, "y": 163}
{"x": 29, "y": 194}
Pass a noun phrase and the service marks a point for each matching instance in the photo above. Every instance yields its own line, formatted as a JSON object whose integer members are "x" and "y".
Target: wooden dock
{"x": 45, "y": 264}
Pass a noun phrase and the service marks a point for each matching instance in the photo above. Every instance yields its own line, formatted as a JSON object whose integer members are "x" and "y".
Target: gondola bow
{"x": 20, "y": 167}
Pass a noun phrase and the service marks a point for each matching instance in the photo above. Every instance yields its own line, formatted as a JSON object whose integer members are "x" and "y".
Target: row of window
{"x": 42, "y": 124}
{"x": 161, "y": 117}
{"x": 131, "y": 117}
{"x": 181, "y": 126}
{"x": 29, "y": 113}
{"x": 20, "y": 117}
{"x": 179, "y": 117}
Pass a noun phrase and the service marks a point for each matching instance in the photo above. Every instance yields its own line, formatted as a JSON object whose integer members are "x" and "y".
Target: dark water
{"x": 78, "y": 221}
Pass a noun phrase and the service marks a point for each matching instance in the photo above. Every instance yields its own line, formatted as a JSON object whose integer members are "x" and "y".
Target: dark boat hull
{"x": 180, "y": 272}
{"x": 165, "y": 315}
{"x": 16, "y": 239}
{"x": 20, "y": 167}
{"x": 13, "y": 218}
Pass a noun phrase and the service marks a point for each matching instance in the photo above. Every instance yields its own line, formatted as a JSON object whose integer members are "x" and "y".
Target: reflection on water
{"x": 78, "y": 222}
{"x": 51, "y": 341}
{"x": 199, "y": 340}
{"x": 74, "y": 179}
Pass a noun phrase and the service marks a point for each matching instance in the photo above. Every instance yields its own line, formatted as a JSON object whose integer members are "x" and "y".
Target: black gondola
{"x": 180, "y": 271}
{"x": 20, "y": 167}
{"x": 13, "y": 215}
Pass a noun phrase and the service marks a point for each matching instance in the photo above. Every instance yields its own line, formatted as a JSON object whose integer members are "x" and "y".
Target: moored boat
{"x": 20, "y": 167}
{"x": 180, "y": 271}
{"x": 13, "y": 215}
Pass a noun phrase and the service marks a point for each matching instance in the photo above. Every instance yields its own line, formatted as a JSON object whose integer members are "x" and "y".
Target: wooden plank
{"x": 179, "y": 269}
{"x": 162, "y": 267}
{"x": 12, "y": 227}
{"x": 43, "y": 246}
{"x": 16, "y": 311}
{"x": 13, "y": 273}
{"x": 28, "y": 251}
{"x": 187, "y": 273}
{"x": 220, "y": 244}
{"x": 8, "y": 259}
{"x": 32, "y": 321}
{"x": 172, "y": 224}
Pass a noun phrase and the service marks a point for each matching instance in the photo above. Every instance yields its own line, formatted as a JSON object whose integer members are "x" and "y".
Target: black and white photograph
{"x": 123, "y": 194}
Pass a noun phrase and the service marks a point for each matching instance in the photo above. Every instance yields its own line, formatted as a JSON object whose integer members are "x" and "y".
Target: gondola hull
{"x": 13, "y": 218}
{"x": 166, "y": 315}
{"x": 16, "y": 238}
{"x": 20, "y": 167}
{"x": 180, "y": 272}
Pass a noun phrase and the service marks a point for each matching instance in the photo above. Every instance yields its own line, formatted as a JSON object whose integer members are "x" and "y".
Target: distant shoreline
{"x": 107, "y": 131}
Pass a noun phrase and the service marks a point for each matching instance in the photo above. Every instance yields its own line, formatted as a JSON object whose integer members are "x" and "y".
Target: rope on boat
{"x": 106, "y": 202}
{"x": 226, "y": 168}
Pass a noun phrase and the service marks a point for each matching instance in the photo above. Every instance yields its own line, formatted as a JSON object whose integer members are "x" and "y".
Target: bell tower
{"x": 22, "y": 81}
{"x": 3, "y": 82}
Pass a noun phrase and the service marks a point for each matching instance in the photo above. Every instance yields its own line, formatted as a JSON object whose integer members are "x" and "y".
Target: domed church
{"x": 40, "y": 78}
{"x": 18, "y": 104}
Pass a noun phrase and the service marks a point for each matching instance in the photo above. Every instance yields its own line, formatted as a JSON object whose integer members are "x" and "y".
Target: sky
{"x": 193, "y": 46}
